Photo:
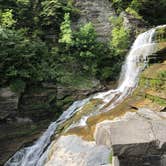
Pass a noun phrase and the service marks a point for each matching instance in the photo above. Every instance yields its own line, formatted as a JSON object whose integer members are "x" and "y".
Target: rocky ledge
{"x": 73, "y": 151}
{"x": 136, "y": 139}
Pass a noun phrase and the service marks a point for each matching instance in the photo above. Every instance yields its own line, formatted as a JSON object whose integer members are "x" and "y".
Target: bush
{"x": 133, "y": 13}
{"x": 66, "y": 32}
{"x": 149, "y": 10}
{"x": 120, "y": 38}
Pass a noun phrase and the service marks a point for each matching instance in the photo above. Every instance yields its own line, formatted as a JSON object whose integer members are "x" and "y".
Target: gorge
{"x": 39, "y": 153}
{"x": 82, "y": 82}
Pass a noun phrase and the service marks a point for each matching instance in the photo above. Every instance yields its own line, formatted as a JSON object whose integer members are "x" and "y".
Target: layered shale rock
{"x": 8, "y": 104}
{"x": 98, "y": 12}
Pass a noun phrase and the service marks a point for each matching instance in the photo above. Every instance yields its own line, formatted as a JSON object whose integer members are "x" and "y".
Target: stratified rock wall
{"x": 8, "y": 103}
{"x": 97, "y": 12}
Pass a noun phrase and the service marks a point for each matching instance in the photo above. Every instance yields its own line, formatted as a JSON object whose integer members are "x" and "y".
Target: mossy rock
{"x": 149, "y": 94}
{"x": 160, "y": 35}
{"x": 157, "y": 100}
{"x": 90, "y": 107}
{"x": 63, "y": 103}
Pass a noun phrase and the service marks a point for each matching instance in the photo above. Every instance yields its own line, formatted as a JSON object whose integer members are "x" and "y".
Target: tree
{"x": 23, "y": 59}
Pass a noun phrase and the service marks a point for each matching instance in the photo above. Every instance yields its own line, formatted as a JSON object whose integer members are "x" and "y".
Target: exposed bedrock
{"x": 97, "y": 12}
{"x": 73, "y": 151}
{"x": 137, "y": 139}
{"x": 8, "y": 103}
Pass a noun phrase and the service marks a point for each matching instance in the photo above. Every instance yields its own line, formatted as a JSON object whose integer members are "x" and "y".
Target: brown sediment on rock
{"x": 87, "y": 131}
{"x": 133, "y": 102}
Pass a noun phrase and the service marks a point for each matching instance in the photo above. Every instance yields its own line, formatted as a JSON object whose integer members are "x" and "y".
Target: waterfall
{"x": 30, "y": 156}
{"x": 134, "y": 64}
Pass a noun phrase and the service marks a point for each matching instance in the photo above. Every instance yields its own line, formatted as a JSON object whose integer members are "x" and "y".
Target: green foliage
{"x": 136, "y": 5}
{"x": 156, "y": 99}
{"x": 23, "y": 58}
{"x": 160, "y": 35}
{"x": 23, "y": 2}
{"x": 133, "y": 13}
{"x": 51, "y": 15}
{"x": 86, "y": 56}
{"x": 6, "y": 18}
{"x": 82, "y": 49}
{"x": 116, "y": 21}
{"x": 86, "y": 35}
{"x": 106, "y": 72}
{"x": 87, "y": 49}
{"x": 120, "y": 39}
{"x": 149, "y": 10}
{"x": 66, "y": 32}
{"x": 41, "y": 45}
{"x": 153, "y": 83}
{"x": 18, "y": 86}
{"x": 120, "y": 5}
{"x": 162, "y": 75}
{"x": 51, "y": 11}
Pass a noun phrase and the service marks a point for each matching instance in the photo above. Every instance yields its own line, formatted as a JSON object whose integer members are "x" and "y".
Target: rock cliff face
{"x": 97, "y": 12}
{"x": 8, "y": 104}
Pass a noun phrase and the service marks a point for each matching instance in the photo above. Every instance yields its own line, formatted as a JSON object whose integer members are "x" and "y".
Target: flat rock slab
{"x": 136, "y": 138}
{"x": 144, "y": 133}
{"x": 74, "y": 151}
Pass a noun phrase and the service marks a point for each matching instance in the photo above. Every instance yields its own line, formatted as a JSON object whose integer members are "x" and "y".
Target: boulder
{"x": 137, "y": 140}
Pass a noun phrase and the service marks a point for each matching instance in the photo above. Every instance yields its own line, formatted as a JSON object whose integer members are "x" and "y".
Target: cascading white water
{"x": 30, "y": 156}
{"x": 135, "y": 62}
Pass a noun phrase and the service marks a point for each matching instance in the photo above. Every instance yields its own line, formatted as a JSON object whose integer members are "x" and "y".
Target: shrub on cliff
{"x": 149, "y": 10}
